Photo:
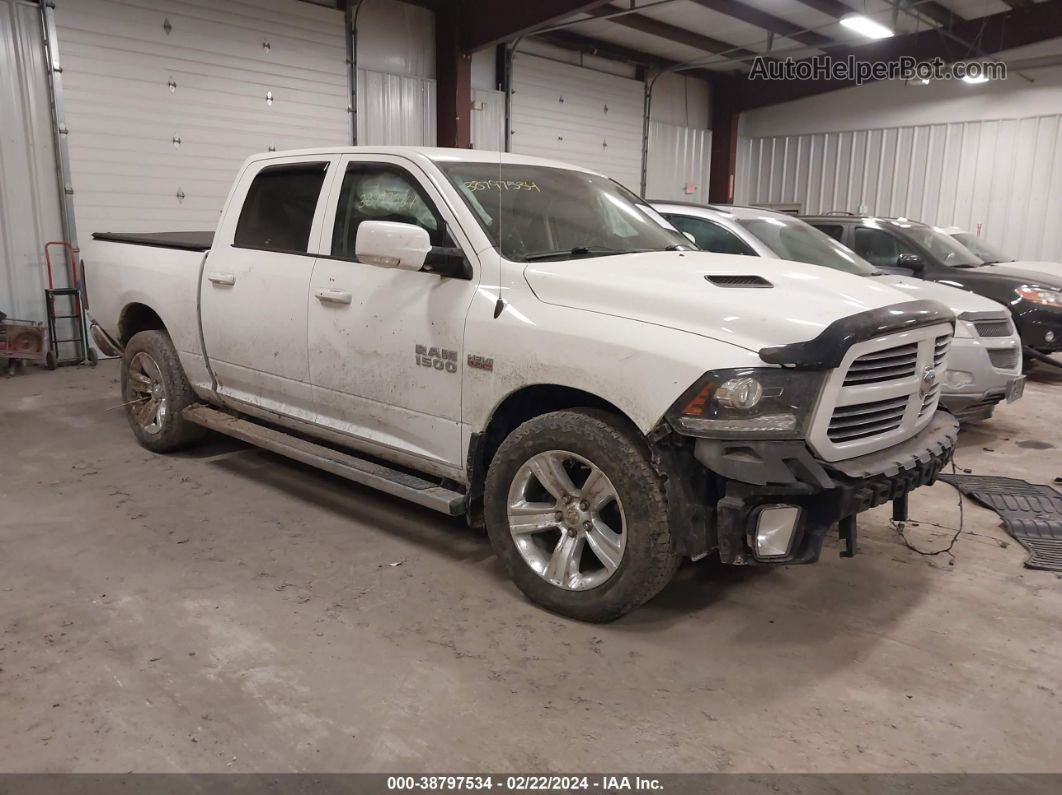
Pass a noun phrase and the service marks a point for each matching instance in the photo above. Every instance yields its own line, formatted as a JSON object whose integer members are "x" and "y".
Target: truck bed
{"x": 185, "y": 241}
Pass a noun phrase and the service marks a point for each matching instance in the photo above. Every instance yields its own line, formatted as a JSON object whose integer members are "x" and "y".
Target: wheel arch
{"x": 519, "y": 406}
{"x": 137, "y": 317}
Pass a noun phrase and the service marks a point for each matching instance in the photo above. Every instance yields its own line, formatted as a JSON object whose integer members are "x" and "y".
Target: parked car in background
{"x": 984, "y": 366}
{"x": 898, "y": 245}
{"x": 531, "y": 345}
{"x": 1001, "y": 262}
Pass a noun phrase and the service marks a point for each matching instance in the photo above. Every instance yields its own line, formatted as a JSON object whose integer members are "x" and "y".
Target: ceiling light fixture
{"x": 974, "y": 80}
{"x": 865, "y": 26}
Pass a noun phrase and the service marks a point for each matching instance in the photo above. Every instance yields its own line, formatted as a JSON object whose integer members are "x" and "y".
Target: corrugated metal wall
{"x": 578, "y": 115}
{"x": 165, "y": 98}
{"x": 395, "y": 109}
{"x": 29, "y": 193}
{"x": 396, "y": 74}
{"x": 1002, "y": 177}
{"x": 679, "y": 160}
{"x": 488, "y": 120}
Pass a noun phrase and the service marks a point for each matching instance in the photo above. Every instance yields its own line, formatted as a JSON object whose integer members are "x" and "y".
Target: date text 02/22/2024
{"x": 525, "y": 783}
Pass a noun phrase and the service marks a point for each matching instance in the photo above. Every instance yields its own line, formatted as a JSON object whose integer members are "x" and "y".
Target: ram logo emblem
{"x": 437, "y": 358}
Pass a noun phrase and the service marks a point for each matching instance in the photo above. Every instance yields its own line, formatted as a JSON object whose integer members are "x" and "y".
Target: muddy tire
{"x": 155, "y": 392}
{"x": 577, "y": 514}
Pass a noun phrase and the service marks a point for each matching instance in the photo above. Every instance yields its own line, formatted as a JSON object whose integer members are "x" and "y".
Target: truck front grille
{"x": 1004, "y": 358}
{"x": 866, "y": 419}
{"x": 884, "y": 392}
{"x": 886, "y": 365}
{"x": 993, "y": 328}
{"x": 940, "y": 349}
{"x": 929, "y": 402}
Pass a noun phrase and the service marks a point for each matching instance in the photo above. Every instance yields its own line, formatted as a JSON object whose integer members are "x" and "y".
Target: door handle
{"x": 333, "y": 296}
{"x": 221, "y": 278}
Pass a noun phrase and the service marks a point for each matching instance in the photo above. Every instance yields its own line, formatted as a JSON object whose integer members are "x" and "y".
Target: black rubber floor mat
{"x": 1032, "y": 514}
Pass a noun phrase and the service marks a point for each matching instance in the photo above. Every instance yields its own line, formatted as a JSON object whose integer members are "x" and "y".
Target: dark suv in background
{"x": 897, "y": 245}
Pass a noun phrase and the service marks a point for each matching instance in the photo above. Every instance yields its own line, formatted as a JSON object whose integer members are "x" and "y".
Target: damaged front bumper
{"x": 762, "y": 502}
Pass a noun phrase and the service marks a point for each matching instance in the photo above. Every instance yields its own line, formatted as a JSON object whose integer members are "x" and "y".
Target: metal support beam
{"x": 453, "y": 83}
{"x": 487, "y": 22}
{"x": 761, "y": 19}
{"x": 673, "y": 33}
{"x": 617, "y": 52}
{"x": 724, "y": 112}
{"x": 936, "y": 12}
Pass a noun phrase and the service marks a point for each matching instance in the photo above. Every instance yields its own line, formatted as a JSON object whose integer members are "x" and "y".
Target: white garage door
{"x": 165, "y": 98}
{"x": 578, "y": 115}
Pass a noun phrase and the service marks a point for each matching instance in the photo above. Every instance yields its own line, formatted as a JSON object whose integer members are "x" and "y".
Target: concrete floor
{"x": 228, "y": 610}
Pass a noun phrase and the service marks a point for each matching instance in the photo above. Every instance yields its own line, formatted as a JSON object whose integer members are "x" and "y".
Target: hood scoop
{"x": 749, "y": 280}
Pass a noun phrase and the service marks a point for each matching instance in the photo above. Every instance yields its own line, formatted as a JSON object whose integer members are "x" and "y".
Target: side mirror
{"x": 390, "y": 244}
{"x": 911, "y": 262}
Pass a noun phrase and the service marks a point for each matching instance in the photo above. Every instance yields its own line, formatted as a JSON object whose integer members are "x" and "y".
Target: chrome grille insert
{"x": 929, "y": 401}
{"x": 940, "y": 350}
{"x": 886, "y": 365}
{"x": 866, "y": 419}
{"x": 1004, "y": 358}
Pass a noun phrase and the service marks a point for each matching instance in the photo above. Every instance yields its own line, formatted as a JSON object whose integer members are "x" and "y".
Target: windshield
{"x": 942, "y": 247}
{"x": 981, "y": 248}
{"x": 538, "y": 212}
{"x": 792, "y": 239}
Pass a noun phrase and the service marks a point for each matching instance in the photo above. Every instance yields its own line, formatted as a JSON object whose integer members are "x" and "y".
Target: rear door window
{"x": 277, "y": 214}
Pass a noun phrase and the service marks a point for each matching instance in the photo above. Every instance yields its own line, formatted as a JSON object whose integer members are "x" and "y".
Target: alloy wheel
{"x": 566, "y": 520}
{"x": 149, "y": 404}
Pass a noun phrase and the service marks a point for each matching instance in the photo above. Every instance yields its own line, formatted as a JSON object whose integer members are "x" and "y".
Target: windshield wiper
{"x": 578, "y": 251}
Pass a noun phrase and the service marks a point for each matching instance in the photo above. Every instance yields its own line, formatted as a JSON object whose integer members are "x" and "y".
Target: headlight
{"x": 766, "y": 402}
{"x": 1035, "y": 295}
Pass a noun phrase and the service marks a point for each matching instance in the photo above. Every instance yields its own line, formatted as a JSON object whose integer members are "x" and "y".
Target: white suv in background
{"x": 985, "y": 363}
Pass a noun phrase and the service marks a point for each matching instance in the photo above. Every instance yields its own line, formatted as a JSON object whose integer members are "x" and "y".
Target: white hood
{"x": 957, "y": 300}
{"x": 670, "y": 289}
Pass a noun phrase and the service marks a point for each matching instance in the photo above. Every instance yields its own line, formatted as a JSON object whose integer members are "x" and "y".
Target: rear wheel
{"x": 155, "y": 392}
{"x": 576, "y": 513}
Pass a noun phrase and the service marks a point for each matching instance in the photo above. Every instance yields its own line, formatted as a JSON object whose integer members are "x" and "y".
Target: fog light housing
{"x": 773, "y": 529}
{"x": 1049, "y": 336}
{"x": 957, "y": 379}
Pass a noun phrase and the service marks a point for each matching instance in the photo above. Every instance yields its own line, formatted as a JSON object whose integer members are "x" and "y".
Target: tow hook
{"x": 846, "y": 532}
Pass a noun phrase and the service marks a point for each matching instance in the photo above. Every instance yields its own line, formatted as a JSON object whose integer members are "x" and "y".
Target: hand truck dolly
{"x": 70, "y": 300}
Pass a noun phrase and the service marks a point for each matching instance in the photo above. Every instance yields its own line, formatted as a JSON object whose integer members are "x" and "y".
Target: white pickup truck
{"x": 529, "y": 344}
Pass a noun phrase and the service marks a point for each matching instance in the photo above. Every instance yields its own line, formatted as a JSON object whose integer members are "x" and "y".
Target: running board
{"x": 367, "y": 473}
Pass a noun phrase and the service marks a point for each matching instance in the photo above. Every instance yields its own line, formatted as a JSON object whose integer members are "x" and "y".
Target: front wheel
{"x": 155, "y": 392}
{"x": 577, "y": 514}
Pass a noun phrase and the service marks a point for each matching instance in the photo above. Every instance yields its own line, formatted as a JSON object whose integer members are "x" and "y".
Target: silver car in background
{"x": 984, "y": 366}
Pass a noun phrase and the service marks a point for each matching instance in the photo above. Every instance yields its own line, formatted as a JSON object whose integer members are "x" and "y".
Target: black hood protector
{"x": 827, "y": 350}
